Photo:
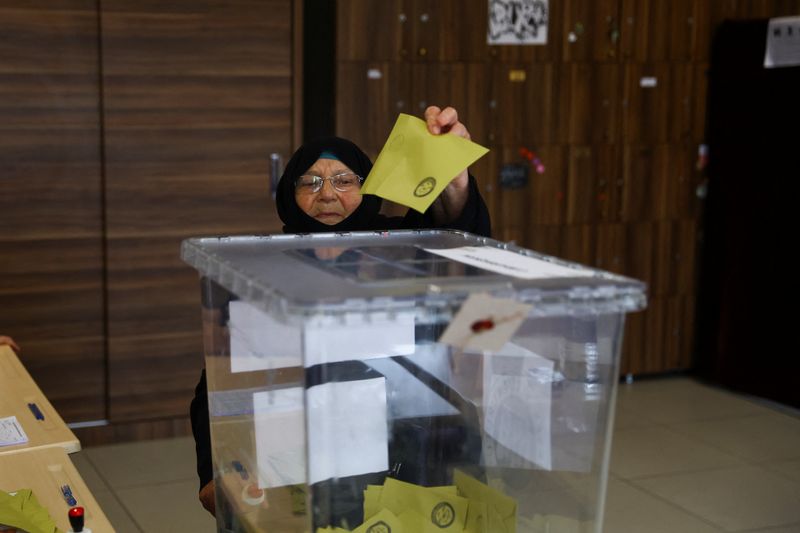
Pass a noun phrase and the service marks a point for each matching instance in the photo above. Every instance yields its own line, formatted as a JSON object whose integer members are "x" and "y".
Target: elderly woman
{"x": 320, "y": 191}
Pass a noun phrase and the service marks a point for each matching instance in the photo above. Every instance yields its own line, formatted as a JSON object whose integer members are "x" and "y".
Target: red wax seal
{"x": 482, "y": 325}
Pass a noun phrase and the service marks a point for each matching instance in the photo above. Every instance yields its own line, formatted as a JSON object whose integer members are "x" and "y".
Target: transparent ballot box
{"x": 407, "y": 381}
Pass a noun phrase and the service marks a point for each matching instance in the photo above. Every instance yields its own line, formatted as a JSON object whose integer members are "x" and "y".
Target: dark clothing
{"x": 474, "y": 219}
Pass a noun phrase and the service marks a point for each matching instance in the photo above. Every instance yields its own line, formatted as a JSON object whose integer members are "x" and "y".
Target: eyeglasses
{"x": 345, "y": 182}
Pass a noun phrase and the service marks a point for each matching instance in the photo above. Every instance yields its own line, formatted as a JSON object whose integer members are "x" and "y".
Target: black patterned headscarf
{"x": 294, "y": 219}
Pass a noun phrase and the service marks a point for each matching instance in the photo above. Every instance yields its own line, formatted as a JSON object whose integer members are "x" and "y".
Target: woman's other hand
{"x": 207, "y": 498}
{"x": 8, "y": 341}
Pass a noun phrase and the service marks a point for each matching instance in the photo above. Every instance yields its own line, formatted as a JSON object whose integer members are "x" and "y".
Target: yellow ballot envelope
{"x": 490, "y": 509}
{"x": 440, "y": 509}
{"x": 415, "y": 166}
{"x": 383, "y": 522}
{"x": 372, "y": 498}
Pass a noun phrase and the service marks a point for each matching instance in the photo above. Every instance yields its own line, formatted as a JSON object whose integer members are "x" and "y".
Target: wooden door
{"x": 51, "y": 264}
{"x": 197, "y": 95}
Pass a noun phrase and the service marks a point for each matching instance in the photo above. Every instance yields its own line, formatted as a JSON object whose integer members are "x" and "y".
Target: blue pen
{"x": 239, "y": 467}
{"x": 35, "y": 410}
{"x": 66, "y": 491}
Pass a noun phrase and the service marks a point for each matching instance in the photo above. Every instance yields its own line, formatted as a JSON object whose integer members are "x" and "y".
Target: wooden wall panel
{"x": 521, "y": 110}
{"x": 510, "y": 220}
{"x": 594, "y": 103}
{"x": 634, "y": 344}
{"x": 548, "y": 191}
{"x": 197, "y": 95}
{"x": 646, "y": 30}
{"x": 590, "y": 30}
{"x": 681, "y": 105}
{"x": 653, "y": 357}
{"x": 610, "y": 248}
{"x": 639, "y": 251}
{"x": 684, "y": 258}
{"x": 463, "y": 86}
{"x": 685, "y": 25}
{"x": 699, "y": 91}
{"x": 51, "y": 274}
{"x": 368, "y": 117}
{"x": 592, "y": 194}
{"x": 546, "y": 239}
{"x": 581, "y": 180}
{"x": 645, "y": 182}
{"x": 614, "y": 105}
{"x": 426, "y": 42}
{"x": 646, "y": 110}
{"x": 680, "y": 194}
{"x": 578, "y": 243}
{"x": 663, "y": 241}
{"x": 609, "y": 186}
{"x": 355, "y": 40}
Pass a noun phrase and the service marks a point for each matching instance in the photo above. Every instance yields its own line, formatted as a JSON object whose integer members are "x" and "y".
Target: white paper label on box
{"x": 328, "y": 340}
{"x": 259, "y": 342}
{"x": 510, "y": 263}
{"x": 517, "y": 406}
{"x": 783, "y": 42}
{"x": 280, "y": 437}
{"x": 348, "y": 432}
{"x": 11, "y": 432}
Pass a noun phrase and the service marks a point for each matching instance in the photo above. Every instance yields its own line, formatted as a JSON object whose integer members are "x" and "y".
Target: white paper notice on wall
{"x": 348, "y": 431}
{"x": 517, "y": 408}
{"x": 510, "y": 263}
{"x": 259, "y": 342}
{"x": 518, "y": 22}
{"x": 783, "y": 42}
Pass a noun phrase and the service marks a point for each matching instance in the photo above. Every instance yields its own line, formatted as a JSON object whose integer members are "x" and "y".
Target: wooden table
{"x": 45, "y": 471}
{"x": 41, "y": 464}
{"x": 19, "y": 390}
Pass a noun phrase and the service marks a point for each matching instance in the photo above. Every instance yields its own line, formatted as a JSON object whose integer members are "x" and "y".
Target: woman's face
{"x": 328, "y": 205}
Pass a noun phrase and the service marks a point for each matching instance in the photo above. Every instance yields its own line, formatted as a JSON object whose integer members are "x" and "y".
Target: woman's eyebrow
{"x": 334, "y": 172}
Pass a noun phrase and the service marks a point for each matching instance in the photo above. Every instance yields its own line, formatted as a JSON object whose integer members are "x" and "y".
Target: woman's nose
{"x": 327, "y": 190}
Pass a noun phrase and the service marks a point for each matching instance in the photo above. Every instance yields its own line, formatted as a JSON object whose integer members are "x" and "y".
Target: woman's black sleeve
{"x": 201, "y": 430}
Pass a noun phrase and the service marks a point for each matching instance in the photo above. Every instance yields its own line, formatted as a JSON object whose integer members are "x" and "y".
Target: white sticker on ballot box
{"x": 348, "y": 431}
{"x": 510, "y": 263}
{"x": 259, "y": 342}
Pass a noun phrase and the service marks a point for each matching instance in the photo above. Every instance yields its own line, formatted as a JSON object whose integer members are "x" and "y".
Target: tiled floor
{"x": 686, "y": 458}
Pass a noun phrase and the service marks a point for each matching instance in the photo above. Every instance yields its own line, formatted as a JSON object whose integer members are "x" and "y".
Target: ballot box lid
{"x": 380, "y": 271}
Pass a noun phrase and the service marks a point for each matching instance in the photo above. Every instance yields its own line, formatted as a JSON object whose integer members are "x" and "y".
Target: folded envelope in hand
{"x": 415, "y": 166}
